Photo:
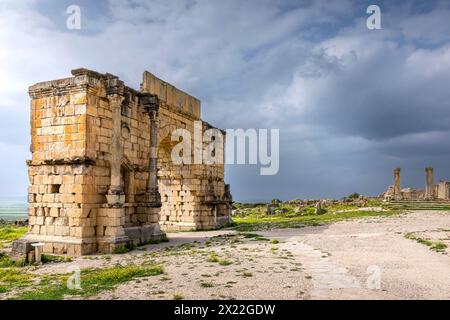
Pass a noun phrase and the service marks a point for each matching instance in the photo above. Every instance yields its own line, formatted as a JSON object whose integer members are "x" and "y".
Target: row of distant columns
{"x": 429, "y": 184}
{"x": 429, "y": 187}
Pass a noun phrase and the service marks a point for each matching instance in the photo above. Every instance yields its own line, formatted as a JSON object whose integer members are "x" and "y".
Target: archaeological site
{"x": 432, "y": 191}
{"x": 101, "y": 175}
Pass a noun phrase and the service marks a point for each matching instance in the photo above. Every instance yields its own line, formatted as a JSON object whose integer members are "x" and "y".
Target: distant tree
{"x": 354, "y": 196}
{"x": 276, "y": 201}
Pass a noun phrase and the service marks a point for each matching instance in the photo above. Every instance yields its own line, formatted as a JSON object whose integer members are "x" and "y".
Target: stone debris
{"x": 432, "y": 191}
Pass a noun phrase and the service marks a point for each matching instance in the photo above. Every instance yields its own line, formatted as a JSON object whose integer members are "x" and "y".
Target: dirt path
{"x": 368, "y": 258}
{"x": 347, "y": 260}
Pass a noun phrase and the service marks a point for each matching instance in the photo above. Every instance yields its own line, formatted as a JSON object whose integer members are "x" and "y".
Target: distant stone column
{"x": 429, "y": 187}
{"x": 397, "y": 188}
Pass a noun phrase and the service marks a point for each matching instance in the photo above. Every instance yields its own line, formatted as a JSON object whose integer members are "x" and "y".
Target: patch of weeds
{"x": 165, "y": 278}
{"x": 156, "y": 241}
{"x": 439, "y": 247}
{"x": 225, "y": 262}
{"x": 253, "y": 236}
{"x": 11, "y": 233}
{"x": 49, "y": 258}
{"x": 7, "y": 262}
{"x": 308, "y": 277}
{"x": 213, "y": 257}
{"x": 257, "y": 219}
{"x": 178, "y": 296}
{"x": 124, "y": 248}
{"x": 247, "y": 274}
{"x": 93, "y": 281}
{"x": 435, "y": 246}
{"x": 274, "y": 241}
{"x": 204, "y": 284}
{"x": 11, "y": 278}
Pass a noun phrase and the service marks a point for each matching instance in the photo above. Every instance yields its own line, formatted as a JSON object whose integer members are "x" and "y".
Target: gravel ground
{"x": 367, "y": 258}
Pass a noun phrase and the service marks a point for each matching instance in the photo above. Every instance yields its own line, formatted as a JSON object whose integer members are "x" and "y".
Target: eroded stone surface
{"x": 101, "y": 173}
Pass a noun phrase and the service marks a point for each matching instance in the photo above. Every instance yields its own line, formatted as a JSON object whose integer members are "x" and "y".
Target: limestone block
{"x": 114, "y": 231}
{"x": 54, "y": 212}
{"x": 82, "y": 232}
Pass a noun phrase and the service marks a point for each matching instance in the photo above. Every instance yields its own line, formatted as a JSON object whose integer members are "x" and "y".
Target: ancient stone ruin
{"x": 101, "y": 174}
{"x": 440, "y": 191}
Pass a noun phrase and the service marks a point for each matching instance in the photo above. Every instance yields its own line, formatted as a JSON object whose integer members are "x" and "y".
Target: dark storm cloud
{"x": 350, "y": 103}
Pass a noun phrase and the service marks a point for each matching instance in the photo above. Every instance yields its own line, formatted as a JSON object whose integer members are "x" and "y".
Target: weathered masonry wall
{"x": 100, "y": 165}
{"x": 194, "y": 195}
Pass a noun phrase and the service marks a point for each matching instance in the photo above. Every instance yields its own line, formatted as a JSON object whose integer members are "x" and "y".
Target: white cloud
{"x": 313, "y": 70}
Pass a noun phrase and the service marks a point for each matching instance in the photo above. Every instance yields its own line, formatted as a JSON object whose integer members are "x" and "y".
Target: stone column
{"x": 153, "y": 161}
{"x": 112, "y": 214}
{"x": 429, "y": 187}
{"x": 397, "y": 188}
{"x": 151, "y": 105}
{"x": 115, "y": 193}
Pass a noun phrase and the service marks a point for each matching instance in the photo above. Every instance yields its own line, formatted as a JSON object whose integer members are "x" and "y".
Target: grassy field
{"x": 255, "y": 217}
{"x": 10, "y": 233}
{"x": 20, "y": 282}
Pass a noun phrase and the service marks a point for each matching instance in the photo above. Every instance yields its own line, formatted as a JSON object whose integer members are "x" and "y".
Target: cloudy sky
{"x": 351, "y": 103}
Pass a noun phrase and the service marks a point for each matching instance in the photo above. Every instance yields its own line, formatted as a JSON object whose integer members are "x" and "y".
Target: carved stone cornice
{"x": 68, "y": 161}
{"x": 114, "y": 86}
{"x": 149, "y": 102}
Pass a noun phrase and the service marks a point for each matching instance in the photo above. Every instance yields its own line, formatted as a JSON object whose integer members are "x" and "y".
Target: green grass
{"x": 204, "y": 284}
{"x": 49, "y": 258}
{"x": 439, "y": 247}
{"x": 93, "y": 281}
{"x": 213, "y": 257}
{"x": 11, "y": 233}
{"x": 253, "y": 236}
{"x": 261, "y": 221}
{"x": 124, "y": 248}
{"x": 13, "y": 278}
{"x": 178, "y": 296}
{"x": 225, "y": 262}
{"x": 435, "y": 246}
{"x": 6, "y": 261}
{"x": 164, "y": 239}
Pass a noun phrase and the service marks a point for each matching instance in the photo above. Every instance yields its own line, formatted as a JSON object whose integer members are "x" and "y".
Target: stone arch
{"x": 165, "y": 171}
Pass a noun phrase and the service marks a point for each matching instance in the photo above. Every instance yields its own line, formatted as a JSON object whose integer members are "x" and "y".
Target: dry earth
{"x": 368, "y": 258}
